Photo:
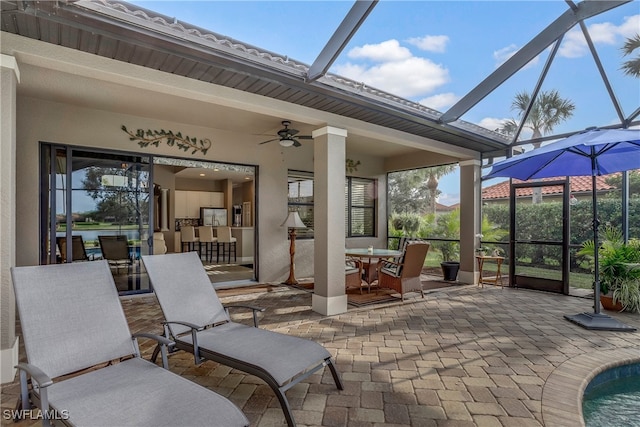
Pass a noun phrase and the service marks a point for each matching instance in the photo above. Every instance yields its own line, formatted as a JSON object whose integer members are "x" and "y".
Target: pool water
{"x": 613, "y": 398}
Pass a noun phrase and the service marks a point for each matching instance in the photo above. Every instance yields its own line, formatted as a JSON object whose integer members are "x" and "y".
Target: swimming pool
{"x": 611, "y": 398}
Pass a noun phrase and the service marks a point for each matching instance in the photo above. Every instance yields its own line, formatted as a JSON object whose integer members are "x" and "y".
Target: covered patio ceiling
{"x": 130, "y": 34}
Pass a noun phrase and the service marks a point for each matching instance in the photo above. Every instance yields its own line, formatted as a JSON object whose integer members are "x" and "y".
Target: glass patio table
{"x": 367, "y": 256}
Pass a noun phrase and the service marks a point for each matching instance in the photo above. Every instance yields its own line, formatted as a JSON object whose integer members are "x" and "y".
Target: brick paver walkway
{"x": 463, "y": 356}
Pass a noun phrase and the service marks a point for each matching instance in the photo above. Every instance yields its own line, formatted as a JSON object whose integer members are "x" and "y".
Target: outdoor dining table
{"x": 366, "y": 255}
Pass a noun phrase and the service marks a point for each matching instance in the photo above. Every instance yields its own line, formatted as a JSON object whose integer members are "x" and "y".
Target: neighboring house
{"x": 580, "y": 189}
{"x": 440, "y": 208}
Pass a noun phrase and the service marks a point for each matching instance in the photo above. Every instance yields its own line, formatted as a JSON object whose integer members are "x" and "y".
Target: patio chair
{"x": 403, "y": 276}
{"x": 199, "y": 324}
{"x": 78, "y": 250}
{"x": 115, "y": 249}
{"x": 83, "y": 364}
{"x": 353, "y": 275}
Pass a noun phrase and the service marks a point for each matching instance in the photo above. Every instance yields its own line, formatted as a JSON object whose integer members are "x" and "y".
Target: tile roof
{"x": 579, "y": 184}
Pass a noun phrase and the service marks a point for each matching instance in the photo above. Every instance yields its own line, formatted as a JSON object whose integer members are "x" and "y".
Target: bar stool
{"x": 205, "y": 233}
{"x": 188, "y": 237}
{"x": 224, "y": 237}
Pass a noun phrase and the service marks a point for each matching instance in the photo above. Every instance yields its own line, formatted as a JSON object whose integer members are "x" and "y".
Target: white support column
{"x": 470, "y": 219}
{"x": 9, "y": 79}
{"x": 164, "y": 209}
{"x": 329, "y": 296}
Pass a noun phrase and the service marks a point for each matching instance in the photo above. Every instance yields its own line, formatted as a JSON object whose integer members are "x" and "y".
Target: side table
{"x": 489, "y": 280}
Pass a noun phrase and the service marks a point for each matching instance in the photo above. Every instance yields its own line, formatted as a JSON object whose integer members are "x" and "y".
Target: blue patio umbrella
{"x": 593, "y": 152}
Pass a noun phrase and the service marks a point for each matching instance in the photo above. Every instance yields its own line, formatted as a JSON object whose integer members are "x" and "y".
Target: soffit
{"x": 127, "y": 33}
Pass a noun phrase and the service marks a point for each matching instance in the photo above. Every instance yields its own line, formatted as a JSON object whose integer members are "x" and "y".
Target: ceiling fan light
{"x": 286, "y": 142}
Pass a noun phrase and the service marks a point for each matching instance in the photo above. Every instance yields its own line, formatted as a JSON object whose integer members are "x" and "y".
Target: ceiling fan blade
{"x": 304, "y": 137}
{"x": 293, "y": 132}
{"x": 271, "y": 140}
{"x": 296, "y": 143}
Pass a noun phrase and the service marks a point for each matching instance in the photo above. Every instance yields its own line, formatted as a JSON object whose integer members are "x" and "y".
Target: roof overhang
{"x": 128, "y": 33}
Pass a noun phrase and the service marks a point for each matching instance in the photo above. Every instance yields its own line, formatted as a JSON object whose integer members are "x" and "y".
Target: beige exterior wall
{"x": 9, "y": 78}
{"x": 44, "y": 121}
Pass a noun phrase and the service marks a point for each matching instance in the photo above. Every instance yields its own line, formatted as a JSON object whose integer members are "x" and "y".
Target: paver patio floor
{"x": 462, "y": 356}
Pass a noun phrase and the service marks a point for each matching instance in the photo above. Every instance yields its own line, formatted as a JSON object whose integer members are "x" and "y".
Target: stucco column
{"x": 9, "y": 79}
{"x": 329, "y": 295}
{"x": 470, "y": 219}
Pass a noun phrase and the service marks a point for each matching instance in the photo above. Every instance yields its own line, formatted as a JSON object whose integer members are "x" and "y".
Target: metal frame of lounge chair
{"x": 83, "y": 364}
{"x": 198, "y": 323}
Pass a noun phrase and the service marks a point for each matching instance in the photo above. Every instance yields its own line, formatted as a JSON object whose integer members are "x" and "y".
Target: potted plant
{"x": 619, "y": 268}
{"x": 448, "y": 227}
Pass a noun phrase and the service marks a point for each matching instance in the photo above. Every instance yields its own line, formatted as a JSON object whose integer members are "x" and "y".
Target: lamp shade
{"x": 293, "y": 221}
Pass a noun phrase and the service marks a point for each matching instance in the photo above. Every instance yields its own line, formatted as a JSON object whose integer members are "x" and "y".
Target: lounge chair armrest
{"x": 164, "y": 343}
{"x": 159, "y": 338}
{"x": 36, "y": 374}
{"x": 187, "y": 324}
{"x": 251, "y": 307}
{"x": 254, "y": 308}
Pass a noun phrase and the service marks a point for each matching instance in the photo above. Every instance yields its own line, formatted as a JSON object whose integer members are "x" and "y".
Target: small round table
{"x": 369, "y": 267}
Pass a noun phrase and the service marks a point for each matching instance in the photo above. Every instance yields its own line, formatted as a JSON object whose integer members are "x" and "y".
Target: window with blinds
{"x": 360, "y": 207}
{"x": 360, "y": 204}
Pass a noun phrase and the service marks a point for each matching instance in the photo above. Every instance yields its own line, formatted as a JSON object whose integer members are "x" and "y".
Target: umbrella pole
{"x": 597, "y": 320}
{"x": 596, "y": 247}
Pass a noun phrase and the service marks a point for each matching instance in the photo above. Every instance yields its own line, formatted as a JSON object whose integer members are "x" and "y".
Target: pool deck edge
{"x": 562, "y": 392}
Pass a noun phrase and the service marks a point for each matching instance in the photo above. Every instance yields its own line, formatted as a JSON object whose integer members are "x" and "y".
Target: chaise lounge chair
{"x": 83, "y": 364}
{"x": 198, "y": 323}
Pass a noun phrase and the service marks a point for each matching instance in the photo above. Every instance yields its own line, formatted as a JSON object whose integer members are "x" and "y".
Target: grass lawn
{"x": 576, "y": 280}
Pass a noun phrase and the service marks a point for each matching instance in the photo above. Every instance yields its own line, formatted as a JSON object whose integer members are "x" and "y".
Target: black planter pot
{"x": 450, "y": 270}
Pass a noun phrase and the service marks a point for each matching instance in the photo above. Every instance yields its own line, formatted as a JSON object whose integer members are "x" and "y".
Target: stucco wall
{"x": 40, "y": 120}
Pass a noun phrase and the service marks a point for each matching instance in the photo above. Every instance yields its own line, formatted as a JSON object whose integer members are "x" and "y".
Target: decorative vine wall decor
{"x": 155, "y": 137}
{"x": 352, "y": 165}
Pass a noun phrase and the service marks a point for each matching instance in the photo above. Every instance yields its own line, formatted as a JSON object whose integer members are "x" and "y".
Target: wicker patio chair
{"x": 404, "y": 276}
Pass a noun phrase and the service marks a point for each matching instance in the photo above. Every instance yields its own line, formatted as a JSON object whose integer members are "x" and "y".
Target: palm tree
{"x": 435, "y": 173}
{"x": 632, "y": 66}
{"x": 548, "y": 110}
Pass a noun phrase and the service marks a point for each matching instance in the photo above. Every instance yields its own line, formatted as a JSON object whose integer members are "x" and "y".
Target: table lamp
{"x": 292, "y": 222}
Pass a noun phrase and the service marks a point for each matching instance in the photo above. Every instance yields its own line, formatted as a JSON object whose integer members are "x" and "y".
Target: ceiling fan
{"x": 287, "y": 136}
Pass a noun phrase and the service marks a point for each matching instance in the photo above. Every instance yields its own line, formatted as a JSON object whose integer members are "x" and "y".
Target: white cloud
{"x": 430, "y": 43}
{"x": 491, "y": 123}
{"x": 441, "y": 101}
{"x": 405, "y": 76}
{"x": 448, "y": 199}
{"x": 389, "y": 50}
{"x": 630, "y": 26}
{"x": 574, "y": 44}
{"x": 502, "y": 55}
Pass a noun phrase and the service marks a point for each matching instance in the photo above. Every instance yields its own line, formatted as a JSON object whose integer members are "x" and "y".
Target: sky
{"x": 434, "y": 52}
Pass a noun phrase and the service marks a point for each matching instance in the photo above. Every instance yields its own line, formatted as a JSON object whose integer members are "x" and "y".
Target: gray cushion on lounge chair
{"x": 72, "y": 319}
{"x": 186, "y": 294}
{"x": 183, "y": 296}
{"x": 136, "y": 392}
{"x": 72, "y": 308}
{"x": 287, "y": 355}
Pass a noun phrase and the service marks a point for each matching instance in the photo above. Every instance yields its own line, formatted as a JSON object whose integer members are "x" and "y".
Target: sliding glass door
{"x": 96, "y": 206}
